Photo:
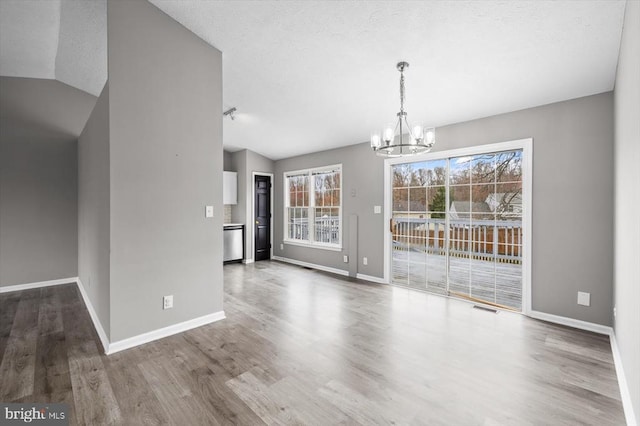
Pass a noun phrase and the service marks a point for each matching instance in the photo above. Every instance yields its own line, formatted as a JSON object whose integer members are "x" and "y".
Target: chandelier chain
{"x": 401, "y": 91}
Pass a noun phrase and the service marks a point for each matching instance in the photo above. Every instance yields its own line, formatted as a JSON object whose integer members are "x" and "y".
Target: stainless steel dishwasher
{"x": 233, "y": 243}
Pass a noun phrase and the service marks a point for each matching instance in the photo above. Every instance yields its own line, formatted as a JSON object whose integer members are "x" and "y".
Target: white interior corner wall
{"x": 627, "y": 211}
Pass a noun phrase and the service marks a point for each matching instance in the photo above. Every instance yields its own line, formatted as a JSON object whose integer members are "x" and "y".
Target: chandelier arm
{"x": 395, "y": 130}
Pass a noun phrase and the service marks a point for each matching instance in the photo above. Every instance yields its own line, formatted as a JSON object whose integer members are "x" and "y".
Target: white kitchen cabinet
{"x": 230, "y": 188}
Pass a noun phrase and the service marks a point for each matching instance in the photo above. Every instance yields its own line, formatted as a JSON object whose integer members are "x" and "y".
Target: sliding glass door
{"x": 419, "y": 226}
{"x": 457, "y": 226}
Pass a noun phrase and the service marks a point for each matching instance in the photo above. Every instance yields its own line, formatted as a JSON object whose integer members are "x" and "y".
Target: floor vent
{"x": 483, "y": 308}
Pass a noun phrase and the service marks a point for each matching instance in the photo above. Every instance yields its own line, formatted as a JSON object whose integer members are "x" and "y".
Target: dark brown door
{"x": 262, "y": 233}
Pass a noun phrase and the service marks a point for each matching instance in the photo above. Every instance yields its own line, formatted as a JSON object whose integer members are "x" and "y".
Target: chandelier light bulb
{"x": 388, "y": 133}
{"x": 431, "y": 136}
{"x": 375, "y": 140}
{"x": 418, "y": 133}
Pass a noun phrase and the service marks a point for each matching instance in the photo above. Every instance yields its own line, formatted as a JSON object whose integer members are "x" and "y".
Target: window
{"x": 313, "y": 206}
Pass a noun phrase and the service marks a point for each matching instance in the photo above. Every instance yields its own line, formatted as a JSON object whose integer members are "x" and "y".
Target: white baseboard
{"x": 120, "y": 345}
{"x": 140, "y": 339}
{"x": 312, "y": 265}
{"x": 94, "y": 317}
{"x": 582, "y": 325}
{"x": 371, "y": 278}
{"x": 625, "y": 395}
{"x": 29, "y": 286}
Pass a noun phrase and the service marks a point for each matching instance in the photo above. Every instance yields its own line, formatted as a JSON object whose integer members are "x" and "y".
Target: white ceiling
{"x": 313, "y": 75}
{"x": 64, "y": 40}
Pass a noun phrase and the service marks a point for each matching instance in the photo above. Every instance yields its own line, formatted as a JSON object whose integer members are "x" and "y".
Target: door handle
{"x": 257, "y": 223}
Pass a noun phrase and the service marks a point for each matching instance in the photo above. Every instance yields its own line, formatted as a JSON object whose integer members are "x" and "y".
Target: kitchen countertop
{"x": 233, "y": 224}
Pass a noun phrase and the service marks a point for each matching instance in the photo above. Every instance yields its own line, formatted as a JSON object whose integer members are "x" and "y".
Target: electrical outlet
{"x": 614, "y": 312}
{"x": 167, "y": 302}
{"x": 281, "y": 246}
{"x": 377, "y": 209}
{"x": 365, "y": 261}
{"x": 345, "y": 258}
{"x": 584, "y": 299}
{"x": 208, "y": 211}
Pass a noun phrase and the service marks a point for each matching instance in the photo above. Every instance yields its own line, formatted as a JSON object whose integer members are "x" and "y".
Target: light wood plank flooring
{"x": 306, "y": 347}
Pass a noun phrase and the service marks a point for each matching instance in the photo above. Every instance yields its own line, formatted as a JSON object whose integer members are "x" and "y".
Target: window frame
{"x": 311, "y": 208}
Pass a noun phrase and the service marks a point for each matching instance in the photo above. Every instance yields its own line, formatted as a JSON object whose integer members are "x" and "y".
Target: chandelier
{"x": 401, "y": 140}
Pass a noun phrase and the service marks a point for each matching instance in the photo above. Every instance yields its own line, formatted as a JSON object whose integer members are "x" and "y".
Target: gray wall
{"x": 572, "y": 199}
{"x": 362, "y": 188}
{"x": 165, "y": 108}
{"x": 226, "y": 163}
{"x": 245, "y": 163}
{"x": 93, "y": 209}
{"x": 627, "y": 202}
{"x": 45, "y": 106}
{"x": 40, "y": 121}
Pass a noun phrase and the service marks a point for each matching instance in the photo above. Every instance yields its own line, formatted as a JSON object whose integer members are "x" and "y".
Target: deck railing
{"x": 327, "y": 229}
{"x": 478, "y": 239}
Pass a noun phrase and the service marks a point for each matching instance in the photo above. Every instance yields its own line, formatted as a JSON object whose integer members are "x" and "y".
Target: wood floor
{"x": 305, "y": 347}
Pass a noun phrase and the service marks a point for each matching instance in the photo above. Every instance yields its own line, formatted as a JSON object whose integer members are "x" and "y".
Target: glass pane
{"x": 507, "y": 201}
{"x": 480, "y": 195}
{"x": 436, "y": 202}
{"x": 417, "y": 267}
{"x": 400, "y": 272}
{"x": 509, "y": 285}
{"x": 401, "y": 175}
{"x": 319, "y": 198}
{"x": 460, "y": 205}
{"x": 298, "y": 224}
{"x": 419, "y": 175}
{"x": 418, "y": 199}
{"x": 459, "y": 272}
{"x": 335, "y": 197}
{"x": 483, "y": 280}
{"x": 436, "y": 267}
{"x": 482, "y": 168}
{"x": 459, "y": 171}
{"x": 509, "y": 166}
{"x": 401, "y": 200}
{"x": 482, "y": 236}
{"x": 436, "y": 171}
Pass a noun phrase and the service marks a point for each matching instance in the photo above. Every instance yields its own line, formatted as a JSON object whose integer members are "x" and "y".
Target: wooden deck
{"x": 494, "y": 282}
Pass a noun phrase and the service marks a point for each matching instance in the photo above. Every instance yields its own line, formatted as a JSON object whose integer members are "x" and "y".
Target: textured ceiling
{"x": 29, "y": 38}
{"x": 313, "y": 75}
{"x": 64, "y": 40}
